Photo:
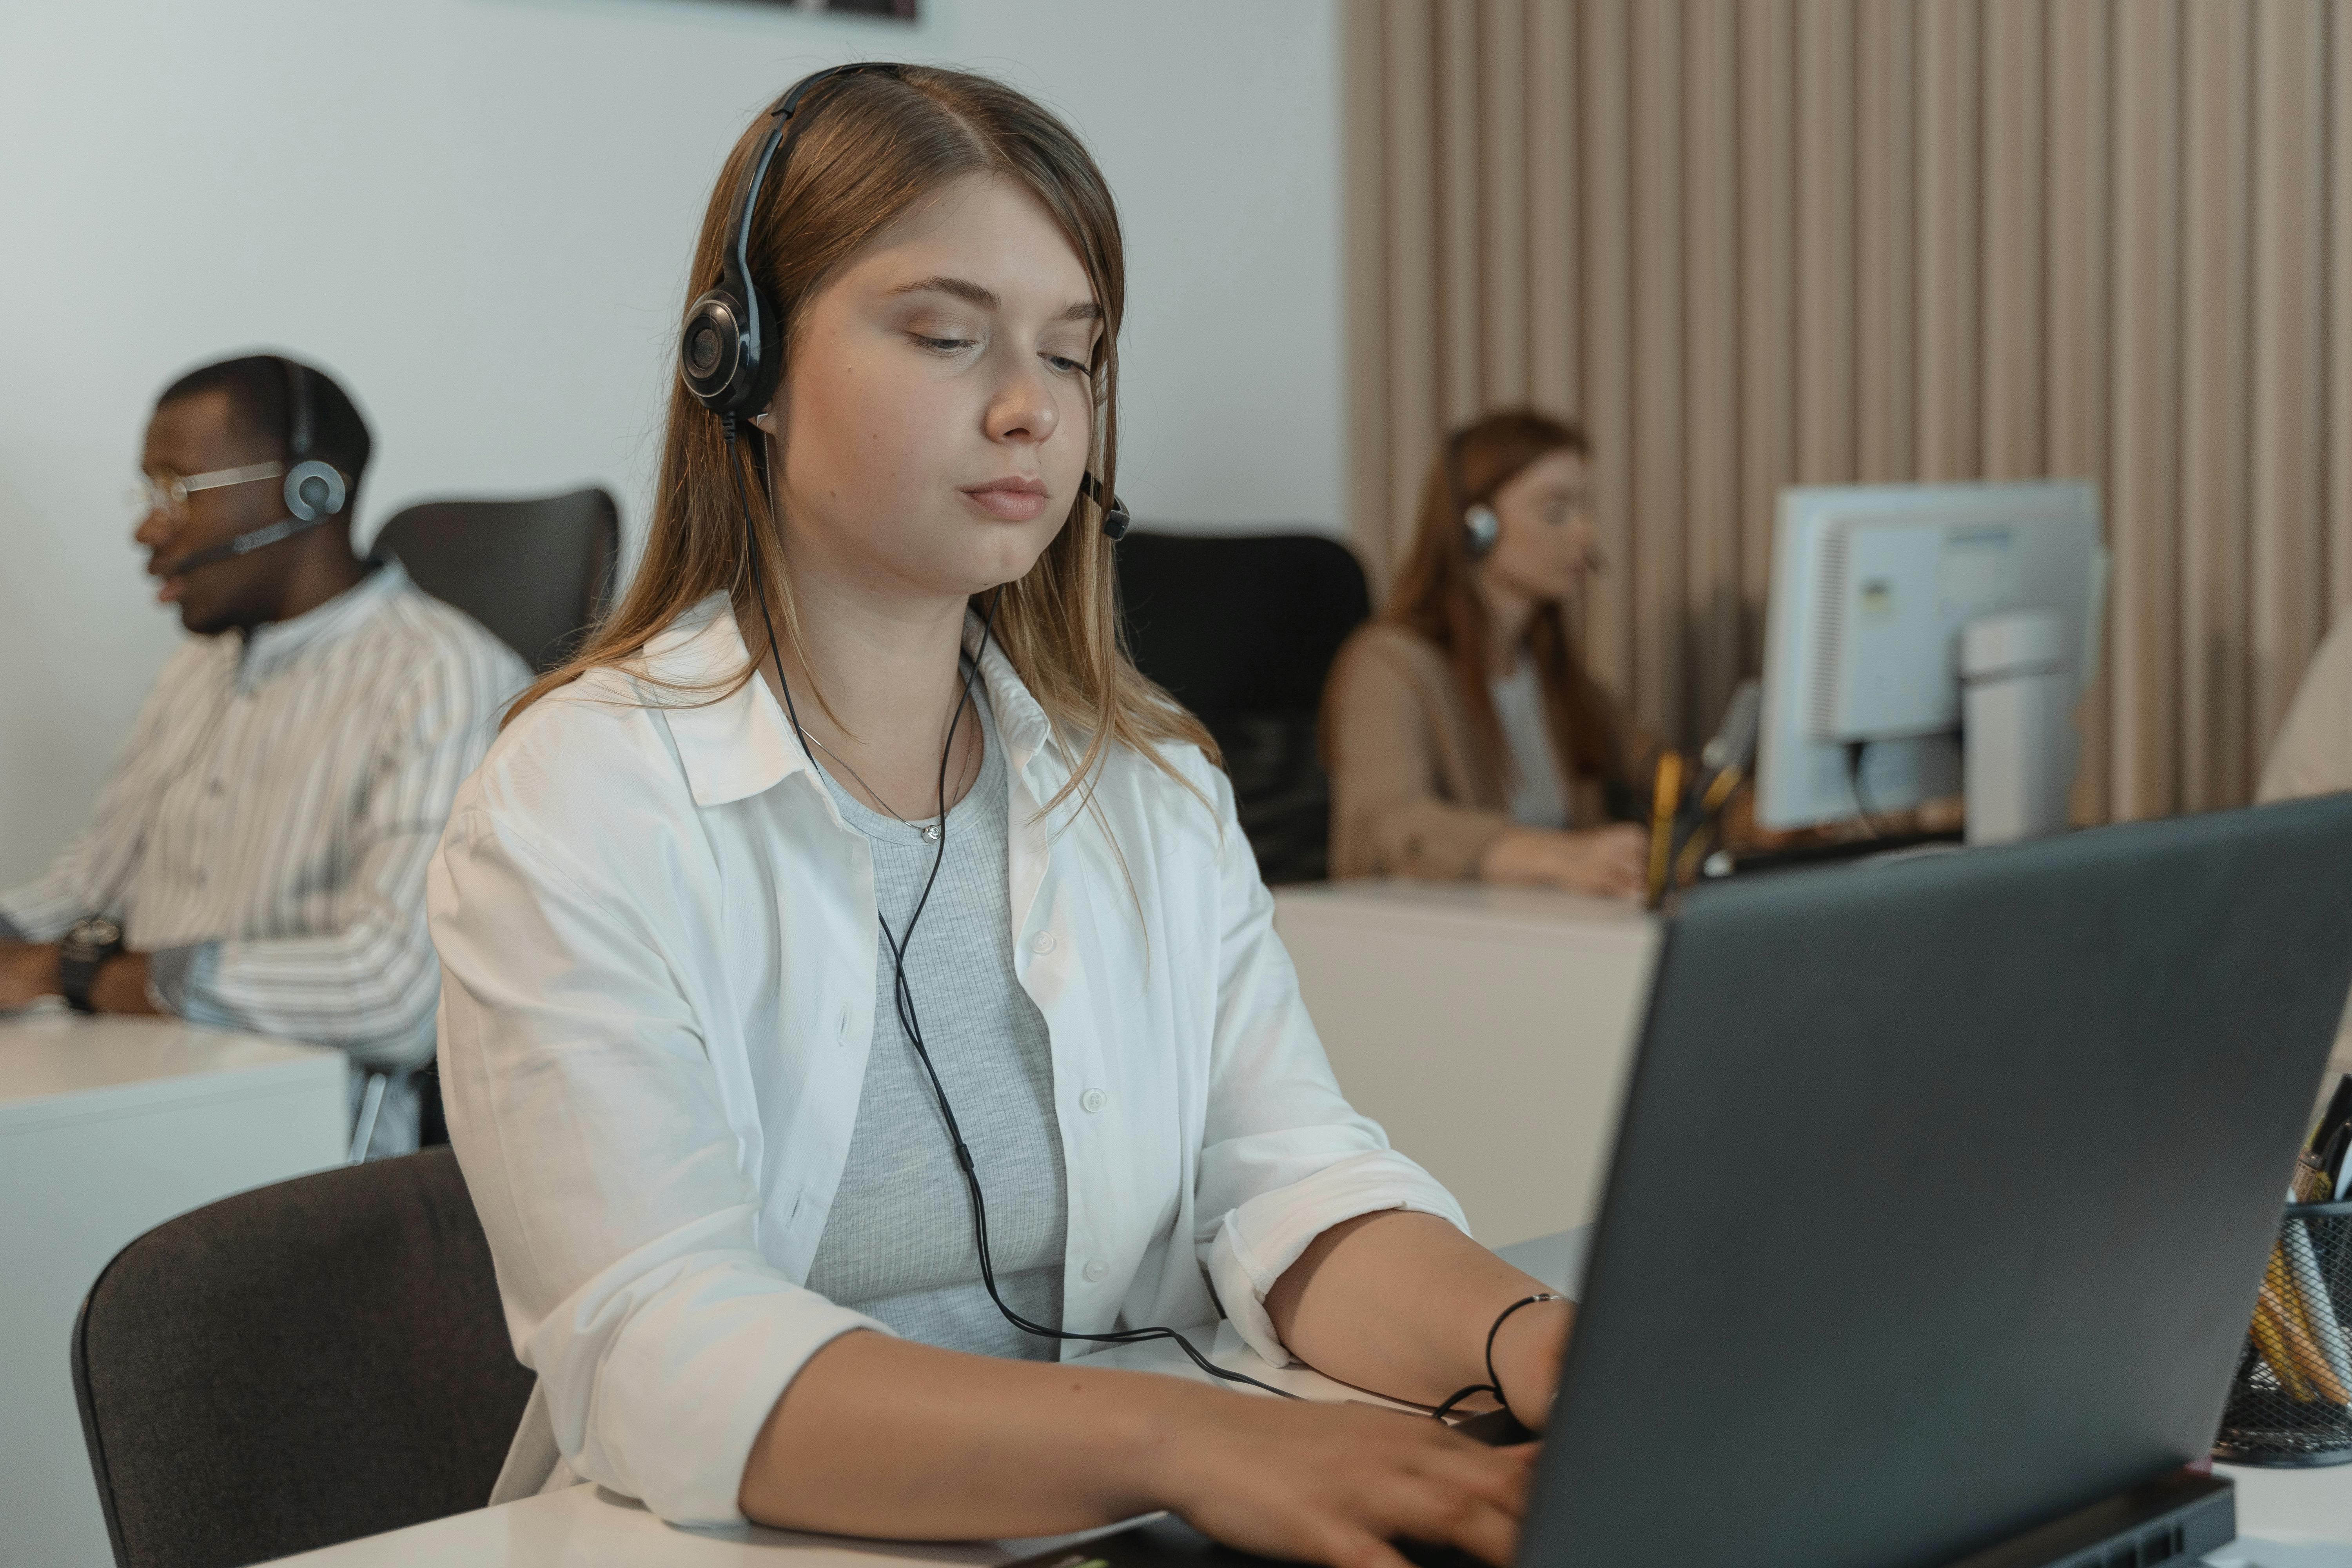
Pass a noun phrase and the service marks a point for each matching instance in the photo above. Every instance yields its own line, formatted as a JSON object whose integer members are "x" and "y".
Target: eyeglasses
{"x": 168, "y": 492}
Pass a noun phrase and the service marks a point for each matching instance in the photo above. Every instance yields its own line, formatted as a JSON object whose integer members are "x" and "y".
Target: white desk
{"x": 108, "y": 1127}
{"x": 1487, "y": 1029}
{"x": 587, "y": 1527}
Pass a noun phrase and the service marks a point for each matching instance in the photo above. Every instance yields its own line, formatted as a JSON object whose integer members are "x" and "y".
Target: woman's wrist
{"x": 1160, "y": 1441}
{"x": 1527, "y": 1351}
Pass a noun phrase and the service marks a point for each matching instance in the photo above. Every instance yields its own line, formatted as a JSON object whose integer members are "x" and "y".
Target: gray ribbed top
{"x": 898, "y": 1243}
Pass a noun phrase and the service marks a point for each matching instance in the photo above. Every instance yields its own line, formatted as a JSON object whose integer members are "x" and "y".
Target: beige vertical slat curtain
{"x": 1750, "y": 243}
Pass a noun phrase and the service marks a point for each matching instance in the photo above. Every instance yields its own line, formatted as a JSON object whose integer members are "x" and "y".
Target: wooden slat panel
{"x": 1366, "y": 217}
{"x": 1458, "y": 273}
{"x": 1552, "y": 270}
{"x": 2283, "y": 556}
{"x": 1605, "y": 62}
{"x": 2337, "y": 424}
{"x": 2144, "y": 489}
{"x": 1656, "y": 692}
{"x": 2016, "y": 53}
{"x": 2080, "y": 98}
{"x": 1886, "y": 232}
{"x": 1826, "y": 241}
{"x": 2216, "y": 214}
{"x": 1952, "y": 85}
{"x": 1502, "y": 200}
{"x": 1411, "y": 166}
{"x": 1711, "y": 388}
{"x": 1767, "y": 292}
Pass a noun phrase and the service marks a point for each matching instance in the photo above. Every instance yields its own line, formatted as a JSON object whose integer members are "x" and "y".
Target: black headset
{"x": 730, "y": 352}
{"x": 1480, "y": 526}
{"x": 314, "y": 490}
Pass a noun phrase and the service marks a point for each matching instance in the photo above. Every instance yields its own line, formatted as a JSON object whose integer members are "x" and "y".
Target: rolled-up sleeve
{"x": 1285, "y": 1157}
{"x": 622, "y": 1208}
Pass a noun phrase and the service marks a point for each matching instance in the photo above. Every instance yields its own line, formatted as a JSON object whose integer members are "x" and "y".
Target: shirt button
{"x": 1096, "y": 1271}
{"x": 1042, "y": 943}
{"x": 1093, "y": 1100}
{"x": 215, "y": 787}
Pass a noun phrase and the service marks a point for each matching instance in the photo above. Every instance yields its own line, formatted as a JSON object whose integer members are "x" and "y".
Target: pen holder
{"x": 2291, "y": 1401}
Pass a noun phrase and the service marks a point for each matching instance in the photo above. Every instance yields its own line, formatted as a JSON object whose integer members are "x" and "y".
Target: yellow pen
{"x": 1666, "y": 796}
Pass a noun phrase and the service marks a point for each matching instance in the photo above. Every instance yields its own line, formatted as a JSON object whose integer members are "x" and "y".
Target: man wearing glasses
{"x": 255, "y": 859}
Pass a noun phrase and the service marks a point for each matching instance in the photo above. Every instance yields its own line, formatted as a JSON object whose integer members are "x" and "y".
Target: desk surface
{"x": 1612, "y": 923}
{"x": 2292, "y": 1519}
{"x": 55, "y": 1064}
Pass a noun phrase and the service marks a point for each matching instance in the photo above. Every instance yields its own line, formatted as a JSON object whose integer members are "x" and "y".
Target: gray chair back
{"x": 536, "y": 572}
{"x": 296, "y": 1366}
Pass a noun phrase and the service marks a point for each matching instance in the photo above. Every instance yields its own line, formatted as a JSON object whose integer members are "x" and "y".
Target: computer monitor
{"x": 1872, "y": 586}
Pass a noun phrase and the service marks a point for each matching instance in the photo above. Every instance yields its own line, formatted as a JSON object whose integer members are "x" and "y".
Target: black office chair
{"x": 299, "y": 1365}
{"x": 1241, "y": 630}
{"x": 537, "y": 573}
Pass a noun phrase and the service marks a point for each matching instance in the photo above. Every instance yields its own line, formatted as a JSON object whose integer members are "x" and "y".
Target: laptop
{"x": 1941, "y": 1195}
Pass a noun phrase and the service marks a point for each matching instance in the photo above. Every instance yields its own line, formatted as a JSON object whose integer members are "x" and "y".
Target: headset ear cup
{"x": 313, "y": 489}
{"x": 715, "y": 358}
{"x": 1480, "y": 529}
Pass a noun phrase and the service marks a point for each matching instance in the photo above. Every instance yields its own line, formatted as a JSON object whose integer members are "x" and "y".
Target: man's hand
{"x": 29, "y": 972}
{"x": 122, "y": 985}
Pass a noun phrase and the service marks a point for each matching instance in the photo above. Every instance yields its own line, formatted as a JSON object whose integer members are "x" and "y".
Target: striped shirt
{"x": 264, "y": 832}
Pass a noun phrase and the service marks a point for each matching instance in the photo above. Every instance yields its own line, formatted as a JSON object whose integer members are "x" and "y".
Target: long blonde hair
{"x": 877, "y": 146}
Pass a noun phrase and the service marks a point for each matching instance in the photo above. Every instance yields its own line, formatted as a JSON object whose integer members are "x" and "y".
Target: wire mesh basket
{"x": 2291, "y": 1401}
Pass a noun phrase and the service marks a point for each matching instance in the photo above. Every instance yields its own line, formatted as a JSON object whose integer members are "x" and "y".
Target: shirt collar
{"x": 272, "y": 647}
{"x": 740, "y": 744}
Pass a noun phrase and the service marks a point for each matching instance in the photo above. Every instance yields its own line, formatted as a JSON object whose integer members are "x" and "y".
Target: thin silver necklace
{"x": 929, "y": 830}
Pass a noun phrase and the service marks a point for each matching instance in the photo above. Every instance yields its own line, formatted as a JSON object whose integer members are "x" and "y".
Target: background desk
{"x": 586, "y": 1527}
{"x": 1488, "y": 1029}
{"x": 107, "y": 1127}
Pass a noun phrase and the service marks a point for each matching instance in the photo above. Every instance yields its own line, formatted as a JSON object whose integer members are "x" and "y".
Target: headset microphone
{"x": 314, "y": 490}
{"x": 246, "y": 543}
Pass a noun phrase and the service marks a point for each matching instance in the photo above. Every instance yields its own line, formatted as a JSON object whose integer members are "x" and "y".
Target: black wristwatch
{"x": 93, "y": 940}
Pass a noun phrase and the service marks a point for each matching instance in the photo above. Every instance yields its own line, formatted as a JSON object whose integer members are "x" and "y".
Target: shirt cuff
{"x": 1259, "y": 1241}
{"x": 174, "y": 971}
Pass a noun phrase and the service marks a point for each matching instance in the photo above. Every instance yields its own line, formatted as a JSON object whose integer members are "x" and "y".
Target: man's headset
{"x": 731, "y": 351}
{"x": 314, "y": 490}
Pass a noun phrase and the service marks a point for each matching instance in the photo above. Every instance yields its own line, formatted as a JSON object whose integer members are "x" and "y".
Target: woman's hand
{"x": 1335, "y": 1484}
{"x": 1528, "y": 1348}
{"x": 1611, "y": 862}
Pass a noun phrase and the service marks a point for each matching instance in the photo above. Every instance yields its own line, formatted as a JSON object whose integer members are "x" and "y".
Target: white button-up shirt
{"x": 658, "y": 941}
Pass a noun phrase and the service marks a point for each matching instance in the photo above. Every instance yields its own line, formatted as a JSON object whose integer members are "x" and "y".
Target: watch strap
{"x": 79, "y": 959}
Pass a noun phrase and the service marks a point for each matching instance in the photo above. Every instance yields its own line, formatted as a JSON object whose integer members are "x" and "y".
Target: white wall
{"x": 476, "y": 214}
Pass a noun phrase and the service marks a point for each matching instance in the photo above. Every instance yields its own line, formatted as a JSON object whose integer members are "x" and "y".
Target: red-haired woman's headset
{"x": 1481, "y": 527}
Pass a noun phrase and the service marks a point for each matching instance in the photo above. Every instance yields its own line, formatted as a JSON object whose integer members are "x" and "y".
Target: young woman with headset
{"x": 853, "y": 965}
{"x": 1464, "y": 738}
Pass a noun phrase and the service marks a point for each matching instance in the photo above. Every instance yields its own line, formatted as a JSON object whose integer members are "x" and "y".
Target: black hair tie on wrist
{"x": 1494, "y": 1384}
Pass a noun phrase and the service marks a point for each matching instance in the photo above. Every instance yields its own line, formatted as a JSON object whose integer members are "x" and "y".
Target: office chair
{"x": 1241, "y": 630}
{"x": 536, "y": 572}
{"x": 298, "y": 1366}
